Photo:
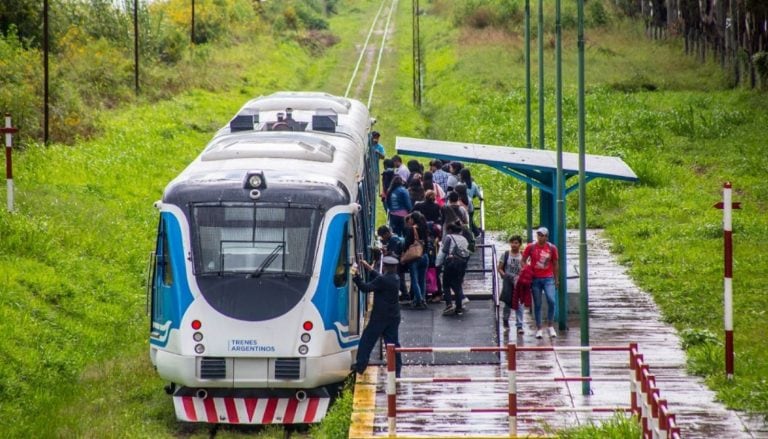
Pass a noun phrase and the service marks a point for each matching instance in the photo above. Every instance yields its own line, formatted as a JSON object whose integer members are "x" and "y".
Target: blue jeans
{"x": 545, "y": 285}
{"x": 418, "y": 271}
{"x": 518, "y": 315}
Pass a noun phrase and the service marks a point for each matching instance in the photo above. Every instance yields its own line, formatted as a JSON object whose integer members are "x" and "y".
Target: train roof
{"x": 294, "y": 138}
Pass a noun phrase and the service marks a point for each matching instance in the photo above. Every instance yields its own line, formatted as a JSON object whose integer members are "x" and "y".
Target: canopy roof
{"x": 525, "y": 163}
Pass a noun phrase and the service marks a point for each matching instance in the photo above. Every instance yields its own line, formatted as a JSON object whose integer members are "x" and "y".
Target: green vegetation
{"x": 73, "y": 309}
{"x": 620, "y": 426}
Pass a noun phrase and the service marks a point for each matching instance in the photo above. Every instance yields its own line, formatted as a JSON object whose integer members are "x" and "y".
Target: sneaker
{"x": 421, "y": 305}
{"x": 465, "y": 301}
{"x": 552, "y": 332}
{"x": 520, "y": 331}
{"x": 449, "y": 310}
{"x": 538, "y": 334}
{"x": 459, "y": 311}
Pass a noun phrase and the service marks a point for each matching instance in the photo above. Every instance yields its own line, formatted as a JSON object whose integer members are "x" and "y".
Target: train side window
{"x": 342, "y": 265}
{"x": 164, "y": 257}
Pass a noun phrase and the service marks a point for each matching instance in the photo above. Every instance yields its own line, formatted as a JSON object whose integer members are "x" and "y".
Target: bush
{"x": 598, "y": 15}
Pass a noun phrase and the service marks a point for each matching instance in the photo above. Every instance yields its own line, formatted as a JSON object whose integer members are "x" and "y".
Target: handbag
{"x": 414, "y": 251}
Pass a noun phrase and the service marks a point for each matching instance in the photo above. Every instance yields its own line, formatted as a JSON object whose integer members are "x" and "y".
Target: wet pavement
{"x": 620, "y": 313}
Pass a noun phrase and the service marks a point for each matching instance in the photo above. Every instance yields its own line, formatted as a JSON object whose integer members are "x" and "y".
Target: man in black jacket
{"x": 384, "y": 320}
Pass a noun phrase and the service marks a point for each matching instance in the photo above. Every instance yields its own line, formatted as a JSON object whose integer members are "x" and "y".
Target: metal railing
{"x": 645, "y": 403}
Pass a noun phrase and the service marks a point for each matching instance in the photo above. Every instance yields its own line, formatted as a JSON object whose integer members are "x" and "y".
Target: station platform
{"x": 619, "y": 313}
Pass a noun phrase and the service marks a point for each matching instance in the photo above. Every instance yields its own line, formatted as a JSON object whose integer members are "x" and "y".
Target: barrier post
{"x": 644, "y": 373}
{"x": 8, "y": 130}
{"x": 512, "y": 377}
{"x": 663, "y": 422}
{"x": 391, "y": 390}
{"x": 633, "y": 378}
{"x": 727, "y": 205}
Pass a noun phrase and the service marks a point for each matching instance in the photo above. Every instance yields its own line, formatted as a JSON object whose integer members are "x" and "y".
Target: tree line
{"x": 732, "y": 32}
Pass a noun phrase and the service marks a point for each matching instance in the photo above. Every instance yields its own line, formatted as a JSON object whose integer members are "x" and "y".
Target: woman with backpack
{"x": 453, "y": 256}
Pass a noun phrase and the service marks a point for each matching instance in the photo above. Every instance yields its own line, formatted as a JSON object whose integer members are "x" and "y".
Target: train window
{"x": 254, "y": 239}
{"x": 342, "y": 265}
{"x": 165, "y": 267}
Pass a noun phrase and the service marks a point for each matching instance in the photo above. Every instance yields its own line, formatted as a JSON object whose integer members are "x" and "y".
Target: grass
{"x": 72, "y": 307}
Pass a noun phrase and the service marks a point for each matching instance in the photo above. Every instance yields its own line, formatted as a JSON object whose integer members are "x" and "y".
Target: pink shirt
{"x": 542, "y": 259}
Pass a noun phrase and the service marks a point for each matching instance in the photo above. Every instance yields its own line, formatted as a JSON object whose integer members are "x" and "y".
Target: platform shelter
{"x": 536, "y": 167}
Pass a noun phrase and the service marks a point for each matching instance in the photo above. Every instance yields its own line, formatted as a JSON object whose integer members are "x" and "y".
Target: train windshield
{"x": 254, "y": 239}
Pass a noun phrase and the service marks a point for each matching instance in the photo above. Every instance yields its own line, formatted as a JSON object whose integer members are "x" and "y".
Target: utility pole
{"x": 136, "y": 45}
{"x": 45, "y": 73}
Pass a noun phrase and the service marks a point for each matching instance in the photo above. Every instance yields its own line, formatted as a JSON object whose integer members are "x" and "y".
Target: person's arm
{"x": 444, "y": 247}
{"x": 556, "y": 265}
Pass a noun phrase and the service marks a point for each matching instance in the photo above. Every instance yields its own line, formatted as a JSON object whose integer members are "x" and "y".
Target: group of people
{"x": 434, "y": 209}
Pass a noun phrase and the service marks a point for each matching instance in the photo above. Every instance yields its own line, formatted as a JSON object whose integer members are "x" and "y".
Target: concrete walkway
{"x": 620, "y": 313}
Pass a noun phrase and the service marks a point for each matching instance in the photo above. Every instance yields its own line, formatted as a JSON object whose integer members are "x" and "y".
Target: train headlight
{"x": 308, "y": 325}
{"x": 305, "y": 338}
{"x": 197, "y": 336}
{"x": 255, "y": 180}
{"x": 199, "y": 348}
{"x": 303, "y": 349}
{"x": 196, "y": 324}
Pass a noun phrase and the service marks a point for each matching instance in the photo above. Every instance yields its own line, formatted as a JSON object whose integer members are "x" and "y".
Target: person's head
{"x": 389, "y": 264}
{"x": 397, "y": 160}
{"x": 454, "y": 228}
{"x": 465, "y": 176}
{"x": 397, "y": 181}
{"x": 375, "y": 136}
{"x": 430, "y": 196}
{"x": 388, "y": 163}
{"x": 456, "y": 167}
{"x": 435, "y": 164}
{"x": 414, "y": 166}
{"x": 453, "y": 197}
{"x": 515, "y": 241}
{"x": 384, "y": 233}
{"x": 542, "y": 235}
{"x": 446, "y": 168}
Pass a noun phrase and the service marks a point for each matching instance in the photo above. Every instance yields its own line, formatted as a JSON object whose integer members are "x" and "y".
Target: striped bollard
{"x": 391, "y": 390}
{"x": 633, "y": 378}
{"x": 512, "y": 377}
{"x": 727, "y": 205}
{"x": 8, "y": 129}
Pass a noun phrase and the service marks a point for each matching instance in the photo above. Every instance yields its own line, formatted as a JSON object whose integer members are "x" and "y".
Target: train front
{"x": 254, "y": 317}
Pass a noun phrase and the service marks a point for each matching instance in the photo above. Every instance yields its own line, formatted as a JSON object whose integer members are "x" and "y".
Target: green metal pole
{"x": 562, "y": 298}
{"x": 528, "y": 144}
{"x": 541, "y": 73}
{"x": 583, "y": 285}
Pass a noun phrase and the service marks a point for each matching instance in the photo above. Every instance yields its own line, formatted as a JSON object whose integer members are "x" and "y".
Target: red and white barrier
{"x": 9, "y": 130}
{"x": 250, "y": 410}
{"x": 727, "y": 206}
{"x": 645, "y": 400}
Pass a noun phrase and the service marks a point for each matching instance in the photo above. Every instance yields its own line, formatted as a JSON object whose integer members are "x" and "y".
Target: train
{"x": 254, "y": 318}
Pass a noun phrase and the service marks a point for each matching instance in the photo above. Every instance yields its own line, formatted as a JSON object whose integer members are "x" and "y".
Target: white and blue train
{"x": 254, "y": 317}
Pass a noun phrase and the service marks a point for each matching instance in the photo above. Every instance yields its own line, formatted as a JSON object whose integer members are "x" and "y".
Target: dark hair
{"x": 397, "y": 158}
{"x": 397, "y": 181}
{"x": 436, "y": 163}
{"x": 415, "y": 166}
{"x": 453, "y": 197}
{"x": 516, "y": 238}
{"x": 383, "y": 230}
{"x": 428, "y": 181}
{"x": 388, "y": 163}
{"x": 446, "y": 168}
{"x": 375, "y": 134}
{"x": 466, "y": 177}
{"x": 458, "y": 166}
{"x": 454, "y": 227}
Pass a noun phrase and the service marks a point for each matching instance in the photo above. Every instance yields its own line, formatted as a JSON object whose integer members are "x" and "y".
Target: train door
{"x": 355, "y": 304}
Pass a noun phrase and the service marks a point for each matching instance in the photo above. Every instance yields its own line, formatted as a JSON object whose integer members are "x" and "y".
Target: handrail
{"x": 645, "y": 403}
